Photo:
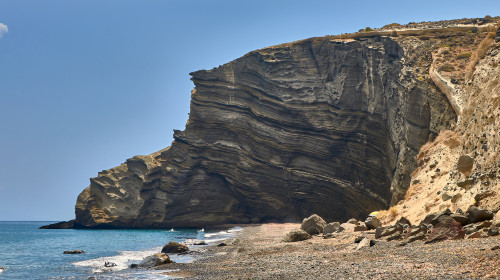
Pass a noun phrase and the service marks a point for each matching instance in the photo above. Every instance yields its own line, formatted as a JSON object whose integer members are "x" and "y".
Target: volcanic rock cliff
{"x": 328, "y": 125}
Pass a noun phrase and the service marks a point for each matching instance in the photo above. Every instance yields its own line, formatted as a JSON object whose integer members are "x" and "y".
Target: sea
{"x": 27, "y": 252}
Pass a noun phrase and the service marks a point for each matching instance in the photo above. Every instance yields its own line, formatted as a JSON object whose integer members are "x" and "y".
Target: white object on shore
{"x": 172, "y": 230}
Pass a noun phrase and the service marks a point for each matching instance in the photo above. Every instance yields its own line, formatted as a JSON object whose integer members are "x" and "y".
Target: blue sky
{"x": 84, "y": 85}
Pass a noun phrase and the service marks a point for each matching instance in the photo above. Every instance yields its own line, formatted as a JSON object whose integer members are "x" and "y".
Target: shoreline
{"x": 257, "y": 252}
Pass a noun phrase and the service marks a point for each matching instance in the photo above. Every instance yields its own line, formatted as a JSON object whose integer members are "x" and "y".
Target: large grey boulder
{"x": 332, "y": 228}
{"x": 313, "y": 225}
{"x": 156, "y": 260}
{"x": 296, "y": 235}
{"x": 388, "y": 230}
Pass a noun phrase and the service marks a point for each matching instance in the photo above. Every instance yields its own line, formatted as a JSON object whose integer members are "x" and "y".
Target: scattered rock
{"x": 360, "y": 227}
{"x": 446, "y": 229}
{"x": 156, "y": 260}
{"x": 313, "y": 225}
{"x": 446, "y": 196}
{"x": 73, "y": 252}
{"x": 496, "y": 247}
{"x": 438, "y": 217}
{"x": 174, "y": 247}
{"x": 480, "y": 196}
{"x": 462, "y": 219}
{"x": 456, "y": 198}
{"x": 493, "y": 231}
{"x": 296, "y": 235}
{"x": 202, "y": 242}
{"x": 465, "y": 163}
{"x": 394, "y": 236}
{"x": 465, "y": 183}
{"x": 352, "y": 221}
{"x": 372, "y": 223}
{"x": 404, "y": 221}
{"x": 134, "y": 265}
{"x": 365, "y": 242}
{"x": 418, "y": 236}
{"x": 109, "y": 264}
{"x": 389, "y": 230}
{"x": 477, "y": 234}
{"x": 358, "y": 239}
{"x": 222, "y": 244}
{"x": 477, "y": 215}
{"x": 484, "y": 224}
{"x": 332, "y": 228}
{"x": 348, "y": 227}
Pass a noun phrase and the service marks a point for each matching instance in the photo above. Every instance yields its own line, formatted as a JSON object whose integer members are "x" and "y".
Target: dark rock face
{"x": 315, "y": 126}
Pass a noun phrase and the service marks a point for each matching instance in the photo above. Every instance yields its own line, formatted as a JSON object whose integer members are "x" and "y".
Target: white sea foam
{"x": 122, "y": 261}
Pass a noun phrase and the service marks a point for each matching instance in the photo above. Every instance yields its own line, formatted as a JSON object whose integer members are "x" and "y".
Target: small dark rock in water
{"x": 174, "y": 247}
{"x": 74, "y": 252}
{"x": 109, "y": 264}
{"x": 296, "y": 235}
{"x": 134, "y": 265}
{"x": 200, "y": 243}
{"x": 1, "y": 268}
{"x": 221, "y": 244}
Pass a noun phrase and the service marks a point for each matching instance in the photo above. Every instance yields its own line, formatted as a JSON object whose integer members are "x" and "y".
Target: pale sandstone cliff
{"x": 327, "y": 125}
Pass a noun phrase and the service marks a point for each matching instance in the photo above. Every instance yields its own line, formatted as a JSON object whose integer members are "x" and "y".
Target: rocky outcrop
{"x": 323, "y": 125}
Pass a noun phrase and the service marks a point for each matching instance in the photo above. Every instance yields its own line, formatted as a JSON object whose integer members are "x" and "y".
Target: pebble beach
{"x": 257, "y": 252}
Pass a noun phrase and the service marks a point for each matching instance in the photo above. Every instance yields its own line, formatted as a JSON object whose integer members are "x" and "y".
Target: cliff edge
{"x": 329, "y": 125}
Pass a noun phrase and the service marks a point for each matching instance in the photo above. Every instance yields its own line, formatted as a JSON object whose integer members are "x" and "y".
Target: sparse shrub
{"x": 394, "y": 33}
{"x": 368, "y": 29}
{"x": 464, "y": 55}
{"x": 445, "y": 52}
{"x": 393, "y": 212}
{"x": 447, "y": 68}
{"x": 392, "y": 25}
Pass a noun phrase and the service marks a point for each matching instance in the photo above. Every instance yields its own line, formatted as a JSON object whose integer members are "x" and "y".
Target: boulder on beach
{"x": 446, "y": 229}
{"x": 313, "y": 225}
{"x": 332, "y": 228}
{"x": 478, "y": 215}
{"x": 73, "y": 252}
{"x": 388, "y": 230}
{"x": 296, "y": 235}
{"x": 372, "y": 222}
{"x": 155, "y": 260}
{"x": 174, "y": 247}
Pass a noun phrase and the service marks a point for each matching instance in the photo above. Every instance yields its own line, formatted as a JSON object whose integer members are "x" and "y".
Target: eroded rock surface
{"x": 323, "y": 125}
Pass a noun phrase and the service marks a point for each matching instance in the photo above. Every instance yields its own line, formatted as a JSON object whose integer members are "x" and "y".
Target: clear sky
{"x": 86, "y": 84}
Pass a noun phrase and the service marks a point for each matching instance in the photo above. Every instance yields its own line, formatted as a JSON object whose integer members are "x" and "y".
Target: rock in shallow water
{"x": 174, "y": 247}
{"x": 155, "y": 260}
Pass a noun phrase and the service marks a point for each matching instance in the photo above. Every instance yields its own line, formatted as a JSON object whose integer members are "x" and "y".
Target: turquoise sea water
{"x": 27, "y": 252}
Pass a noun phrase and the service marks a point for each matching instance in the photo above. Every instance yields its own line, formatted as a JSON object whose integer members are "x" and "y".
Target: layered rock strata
{"x": 323, "y": 125}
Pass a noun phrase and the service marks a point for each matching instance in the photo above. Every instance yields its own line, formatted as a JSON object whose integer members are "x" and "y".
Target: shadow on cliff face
{"x": 317, "y": 126}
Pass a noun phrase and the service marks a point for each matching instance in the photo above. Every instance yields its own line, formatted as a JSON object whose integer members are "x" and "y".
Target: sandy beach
{"x": 257, "y": 252}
